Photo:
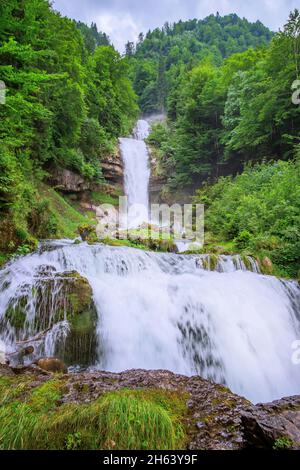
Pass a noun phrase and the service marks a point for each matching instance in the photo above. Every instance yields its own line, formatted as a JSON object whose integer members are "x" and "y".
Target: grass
{"x": 129, "y": 243}
{"x": 102, "y": 198}
{"x": 124, "y": 419}
{"x": 282, "y": 443}
{"x": 68, "y": 218}
{"x": 4, "y": 257}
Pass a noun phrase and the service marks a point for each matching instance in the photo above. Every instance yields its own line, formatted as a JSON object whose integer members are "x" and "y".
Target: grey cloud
{"x": 124, "y": 19}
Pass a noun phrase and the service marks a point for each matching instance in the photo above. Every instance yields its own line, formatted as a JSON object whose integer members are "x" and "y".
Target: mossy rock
{"x": 73, "y": 302}
{"x": 80, "y": 346}
{"x": 15, "y": 314}
{"x": 88, "y": 233}
{"x": 210, "y": 262}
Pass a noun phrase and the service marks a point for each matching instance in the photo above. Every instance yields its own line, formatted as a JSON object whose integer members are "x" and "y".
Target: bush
{"x": 259, "y": 210}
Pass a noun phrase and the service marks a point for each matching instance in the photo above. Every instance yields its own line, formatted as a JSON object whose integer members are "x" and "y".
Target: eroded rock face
{"x": 68, "y": 181}
{"x": 214, "y": 417}
{"x": 112, "y": 168}
{"x": 269, "y": 422}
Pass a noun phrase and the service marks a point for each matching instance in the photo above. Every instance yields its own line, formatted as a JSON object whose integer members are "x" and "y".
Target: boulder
{"x": 68, "y": 181}
{"x": 52, "y": 364}
{"x": 273, "y": 425}
{"x": 73, "y": 303}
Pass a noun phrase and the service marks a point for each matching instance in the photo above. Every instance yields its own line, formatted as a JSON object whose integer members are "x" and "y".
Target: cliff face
{"x": 112, "y": 168}
{"x": 210, "y": 416}
{"x": 68, "y": 181}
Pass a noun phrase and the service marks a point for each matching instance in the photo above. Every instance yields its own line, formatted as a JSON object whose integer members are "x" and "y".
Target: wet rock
{"x": 214, "y": 417}
{"x": 72, "y": 302}
{"x": 273, "y": 423}
{"x": 267, "y": 265}
{"x": 52, "y": 364}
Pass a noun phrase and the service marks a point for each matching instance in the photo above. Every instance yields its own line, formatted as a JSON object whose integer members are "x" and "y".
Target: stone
{"x": 73, "y": 302}
{"x": 267, "y": 265}
{"x": 52, "y": 364}
{"x": 214, "y": 417}
{"x": 271, "y": 422}
{"x": 68, "y": 181}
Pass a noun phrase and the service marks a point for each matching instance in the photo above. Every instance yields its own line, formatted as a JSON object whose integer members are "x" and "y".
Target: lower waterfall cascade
{"x": 165, "y": 311}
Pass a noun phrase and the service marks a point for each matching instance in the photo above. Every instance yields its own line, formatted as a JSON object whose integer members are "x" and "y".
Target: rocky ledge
{"x": 210, "y": 416}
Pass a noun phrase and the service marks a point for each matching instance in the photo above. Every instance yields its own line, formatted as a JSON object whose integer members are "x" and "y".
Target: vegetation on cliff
{"x": 224, "y": 116}
{"x": 66, "y": 104}
{"x": 259, "y": 211}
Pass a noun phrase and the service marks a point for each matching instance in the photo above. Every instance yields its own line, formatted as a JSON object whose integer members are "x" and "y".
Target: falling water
{"x": 136, "y": 174}
{"x": 166, "y": 311}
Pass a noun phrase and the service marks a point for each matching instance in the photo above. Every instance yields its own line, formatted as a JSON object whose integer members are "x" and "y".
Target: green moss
{"x": 247, "y": 262}
{"x": 213, "y": 261}
{"x": 124, "y": 419}
{"x": 83, "y": 323}
{"x": 4, "y": 257}
{"x": 128, "y": 243}
{"x": 282, "y": 443}
{"x": 67, "y": 217}
{"x": 15, "y": 315}
{"x": 102, "y": 198}
{"x": 210, "y": 263}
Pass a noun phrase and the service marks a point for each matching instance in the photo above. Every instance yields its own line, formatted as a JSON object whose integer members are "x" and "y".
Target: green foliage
{"x": 259, "y": 210}
{"x": 68, "y": 97}
{"x": 225, "y": 114}
{"x": 159, "y": 58}
{"x": 125, "y": 419}
{"x": 92, "y": 37}
{"x": 282, "y": 443}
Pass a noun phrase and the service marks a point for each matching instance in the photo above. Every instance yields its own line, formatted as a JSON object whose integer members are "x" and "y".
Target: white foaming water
{"x": 164, "y": 311}
{"x": 136, "y": 174}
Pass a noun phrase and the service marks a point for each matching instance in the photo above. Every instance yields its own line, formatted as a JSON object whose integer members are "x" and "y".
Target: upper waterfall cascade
{"x": 164, "y": 311}
{"x": 136, "y": 174}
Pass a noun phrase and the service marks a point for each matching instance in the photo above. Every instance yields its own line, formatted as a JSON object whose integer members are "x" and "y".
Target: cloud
{"x": 123, "y": 20}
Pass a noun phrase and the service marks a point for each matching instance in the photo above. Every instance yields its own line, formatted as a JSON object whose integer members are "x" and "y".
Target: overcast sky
{"x": 123, "y": 20}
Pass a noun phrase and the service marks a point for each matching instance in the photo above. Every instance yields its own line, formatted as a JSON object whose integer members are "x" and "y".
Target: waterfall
{"x": 165, "y": 311}
{"x": 136, "y": 174}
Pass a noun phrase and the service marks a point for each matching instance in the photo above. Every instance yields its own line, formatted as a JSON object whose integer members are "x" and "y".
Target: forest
{"x": 224, "y": 84}
{"x": 68, "y": 99}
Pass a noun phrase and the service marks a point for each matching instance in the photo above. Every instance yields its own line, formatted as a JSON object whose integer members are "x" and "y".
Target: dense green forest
{"x": 224, "y": 84}
{"x": 161, "y": 57}
{"x": 258, "y": 213}
{"x": 68, "y": 99}
{"x": 221, "y": 117}
{"x": 228, "y": 116}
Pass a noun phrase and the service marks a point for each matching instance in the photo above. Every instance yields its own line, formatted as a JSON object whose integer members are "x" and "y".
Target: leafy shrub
{"x": 259, "y": 210}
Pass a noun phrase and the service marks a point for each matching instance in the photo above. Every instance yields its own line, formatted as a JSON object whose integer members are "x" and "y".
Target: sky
{"x": 123, "y": 20}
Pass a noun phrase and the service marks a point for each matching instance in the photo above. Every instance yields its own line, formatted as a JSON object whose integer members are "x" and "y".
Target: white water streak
{"x": 136, "y": 174}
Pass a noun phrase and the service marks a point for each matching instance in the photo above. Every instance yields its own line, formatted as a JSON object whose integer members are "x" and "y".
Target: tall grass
{"x": 125, "y": 419}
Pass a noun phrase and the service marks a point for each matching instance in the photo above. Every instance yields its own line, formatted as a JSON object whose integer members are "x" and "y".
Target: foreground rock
{"x": 76, "y": 341}
{"x": 212, "y": 416}
{"x": 52, "y": 364}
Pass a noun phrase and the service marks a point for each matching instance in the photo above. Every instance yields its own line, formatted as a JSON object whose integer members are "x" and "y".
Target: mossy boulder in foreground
{"x": 55, "y": 298}
{"x": 136, "y": 409}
